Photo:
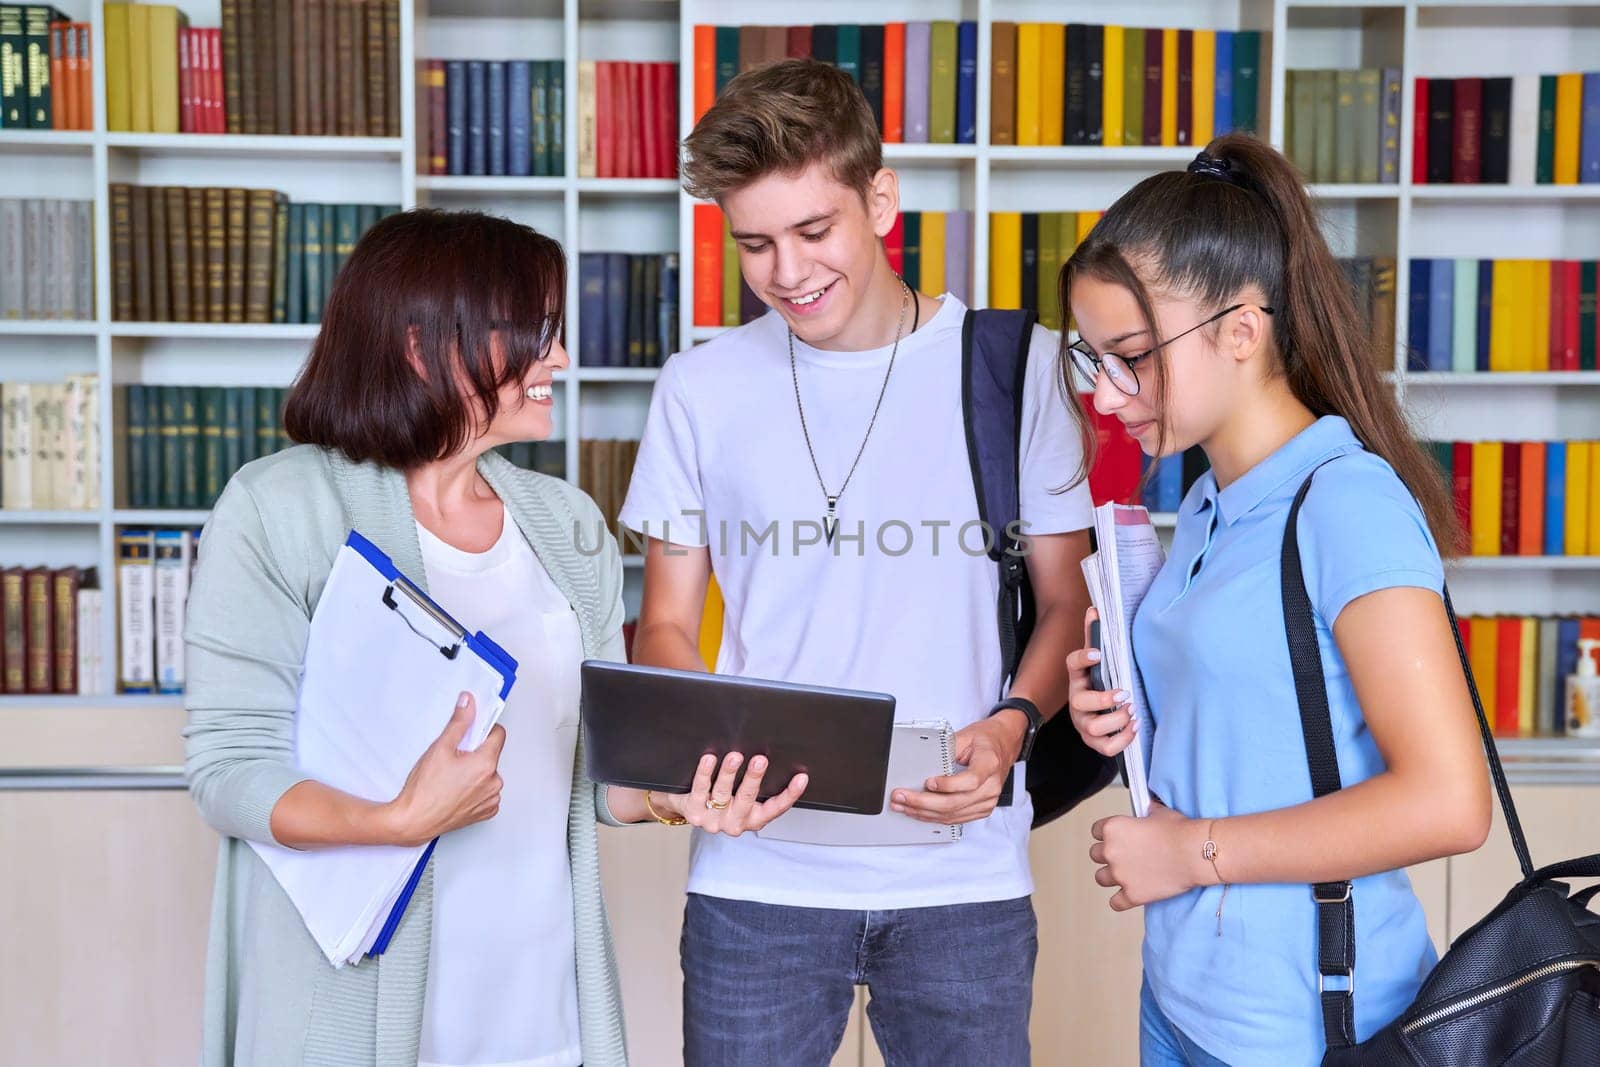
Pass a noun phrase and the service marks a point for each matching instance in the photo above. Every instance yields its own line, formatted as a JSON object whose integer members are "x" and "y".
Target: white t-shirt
{"x": 502, "y": 971}
{"x": 897, "y": 605}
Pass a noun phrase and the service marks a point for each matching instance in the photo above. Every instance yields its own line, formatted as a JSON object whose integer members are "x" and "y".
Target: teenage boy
{"x": 815, "y": 462}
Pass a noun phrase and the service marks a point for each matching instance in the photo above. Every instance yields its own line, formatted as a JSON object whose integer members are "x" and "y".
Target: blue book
{"x": 555, "y": 116}
{"x": 1589, "y": 136}
{"x": 1555, "y": 498}
{"x": 519, "y": 118}
{"x": 1441, "y": 312}
{"x": 591, "y": 309}
{"x": 1169, "y": 476}
{"x": 1485, "y": 310}
{"x": 539, "y": 119}
{"x": 1222, "y": 107}
{"x": 967, "y": 83}
{"x": 667, "y": 306}
{"x": 1417, "y": 327}
{"x": 455, "y": 103}
{"x": 615, "y": 300}
{"x": 497, "y": 117}
{"x": 847, "y": 56}
{"x": 1566, "y": 665}
{"x": 477, "y": 117}
{"x": 295, "y": 309}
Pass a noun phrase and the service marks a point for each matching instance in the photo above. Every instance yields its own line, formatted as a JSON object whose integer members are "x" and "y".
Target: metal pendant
{"x": 830, "y": 524}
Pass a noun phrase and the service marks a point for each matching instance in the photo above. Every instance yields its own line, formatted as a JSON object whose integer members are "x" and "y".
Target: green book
{"x": 556, "y": 122}
{"x": 136, "y": 427}
{"x": 13, "y": 69}
{"x": 280, "y": 258}
{"x": 232, "y": 445}
{"x": 848, "y": 56}
{"x": 316, "y": 292}
{"x": 911, "y": 256}
{"x": 730, "y": 277}
{"x": 1302, "y": 138}
{"x": 1369, "y": 123}
{"x": 366, "y": 218}
{"x": 295, "y": 266}
{"x": 1344, "y": 126}
{"x": 1133, "y": 88}
{"x": 1464, "y": 334}
{"x": 1324, "y": 106}
{"x": 1587, "y": 302}
{"x": 248, "y": 444}
{"x": 1545, "y": 165}
{"x": 266, "y": 421}
{"x": 36, "y": 34}
{"x": 539, "y": 118}
{"x": 330, "y": 258}
{"x": 1050, "y": 252}
{"x": 727, "y": 58}
{"x": 189, "y": 447}
{"x": 1246, "y": 79}
{"x": 170, "y": 488}
{"x": 347, "y": 230}
{"x": 942, "y": 83}
{"x": 1444, "y": 455}
{"x": 211, "y": 450}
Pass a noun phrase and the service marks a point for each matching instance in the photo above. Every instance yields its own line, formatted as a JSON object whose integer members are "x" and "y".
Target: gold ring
{"x": 717, "y": 805}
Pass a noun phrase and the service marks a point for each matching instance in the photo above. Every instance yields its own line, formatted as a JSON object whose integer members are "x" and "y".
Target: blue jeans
{"x": 1163, "y": 1045}
{"x": 772, "y": 986}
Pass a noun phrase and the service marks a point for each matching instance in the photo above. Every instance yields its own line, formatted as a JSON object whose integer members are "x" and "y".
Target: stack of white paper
{"x": 1128, "y": 555}
{"x": 376, "y": 691}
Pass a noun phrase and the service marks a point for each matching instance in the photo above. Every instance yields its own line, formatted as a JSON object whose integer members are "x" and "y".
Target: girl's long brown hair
{"x": 1209, "y": 237}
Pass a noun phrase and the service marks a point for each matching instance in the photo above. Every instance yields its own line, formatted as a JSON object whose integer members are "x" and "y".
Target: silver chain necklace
{"x": 830, "y": 525}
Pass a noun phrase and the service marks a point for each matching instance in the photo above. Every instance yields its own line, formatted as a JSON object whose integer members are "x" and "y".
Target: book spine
{"x": 188, "y": 442}
{"x": 64, "y": 613}
{"x": 494, "y": 121}
{"x": 170, "y": 574}
{"x": 919, "y": 86}
{"x": 1184, "y": 104}
{"x": 1495, "y": 160}
{"x": 526, "y": 136}
{"x": 592, "y": 306}
{"x": 374, "y": 87}
{"x": 1545, "y": 159}
{"x": 557, "y": 118}
{"x": 177, "y": 242}
{"x": 135, "y": 425}
{"x": 36, "y": 34}
{"x": 477, "y": 118}
{"x": 1368, "y": 128}
{"x": 1389, "y": 150}
{"x": 13, "y": 600}
{"x": 1589, "y": 139}
{"x": 1002, "y": 82}
{"x": 1510, "y": 497}
{"x": 258, "y": 256}
{"x": 87, "y": 630}
{"x": 160, "y": 242}
{"x": 1466, "y": 160}
{"x": 40, "y": 631}
{"x": 1151, "y": 92}
{"x": 136, "y": 611}
{"x": 143, "y": 289}
{"x": 212, "y": 455}
{"x": 872, "y": 38}
{"x": 237, "y": 244}
{"x": 216, "y": 257}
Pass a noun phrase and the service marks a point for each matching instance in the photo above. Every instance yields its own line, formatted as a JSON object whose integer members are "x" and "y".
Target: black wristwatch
{"x": 1031, "y": 711}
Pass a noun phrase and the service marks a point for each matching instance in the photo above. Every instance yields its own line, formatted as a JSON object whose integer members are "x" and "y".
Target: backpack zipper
{"x": 1536, "y": 975}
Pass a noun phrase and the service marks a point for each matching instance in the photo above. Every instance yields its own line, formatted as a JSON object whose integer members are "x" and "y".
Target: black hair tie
{"x": 1213, "y": 167}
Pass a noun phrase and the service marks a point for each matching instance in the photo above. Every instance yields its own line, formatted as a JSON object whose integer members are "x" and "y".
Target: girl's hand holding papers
{"x": 1101, "y": 717}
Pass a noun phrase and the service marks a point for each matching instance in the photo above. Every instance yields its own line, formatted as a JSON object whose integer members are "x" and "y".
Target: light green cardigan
{"x": 271, "y": 997}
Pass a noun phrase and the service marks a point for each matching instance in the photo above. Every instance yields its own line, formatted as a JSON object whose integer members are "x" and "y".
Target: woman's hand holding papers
{"x": 448, "y": 788}
{"x": 1101, "y": 717}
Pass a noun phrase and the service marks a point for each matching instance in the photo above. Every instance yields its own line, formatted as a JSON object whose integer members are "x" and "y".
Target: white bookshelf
{"x": 653, "y": 215}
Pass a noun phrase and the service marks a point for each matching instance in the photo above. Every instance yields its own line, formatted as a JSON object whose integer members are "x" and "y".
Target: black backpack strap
{"x": 1336, "y": 932}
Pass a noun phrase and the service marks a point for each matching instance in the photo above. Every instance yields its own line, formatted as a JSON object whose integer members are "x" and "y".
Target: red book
{"x": 1115, "y": 477}
{"x": 85, "y": 76}
{"x": 1508, "y": 675}
{"x": 799, "y": 42}
{"x": 1465, "y": 631}
{"x": 647, "y": 133}
{"x": 1152, "y": 86}
{"x": 707, "y": 265}
{"x": 895, "y": 245}
{"x": 1466, "y": 163}
{"x": 894, "y": 82}
{"x": 1461, "y": 483}
{"x": 186, "y": 64}
{"x": 705, "y": 69}
{"x": 1530, "y": 526}
{"x": 63, "y": 107}
{"x": 631, "y": 142}
{"x": 1572, "y": 307}
{"x": 214, "y": 119}
{"x": 1185, "y": 78}
{"x": 607, "y": 109}
{"x": 1419, "y": 131}
{"x": 1510, "y": 496}
{"x": 667, "y": 119}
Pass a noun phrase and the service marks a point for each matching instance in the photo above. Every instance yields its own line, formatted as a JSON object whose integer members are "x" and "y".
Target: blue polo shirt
{"x": 1210, "y": 644}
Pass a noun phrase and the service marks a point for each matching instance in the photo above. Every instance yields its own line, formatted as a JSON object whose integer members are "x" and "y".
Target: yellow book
{"x": 1484, "y": 655}
{"x": 1169, "y": 88}
{"x": 933, "y": 253}
{"x": 165, "y": 21}
{"x": 1569, "y": 121}
{"x": 711, "y": 625}
{"x": 1527, "y": 677}
{"x": 1486, "y": 489}
{"x": 1503, "y": 316}
{"x": 1052, "y": 81}
{"x": 1591, "y": 499}
{"x": 1111, "y": 88}
{"x": 1050, "y": 260}
{"x": 1005, "y": 259}
{"x": 1067, "y": 241}
{"x": 1536, "y": 287}
{"x": 1029, "y": 59}
{"x": 1205, "y": 86}
{"x": 731, "y": 276}
{"x": 1580, "y": 524}
{"x": 139, "y": 68}
{"x": 119, "y": 103}
{"x": 1086, "y": 221}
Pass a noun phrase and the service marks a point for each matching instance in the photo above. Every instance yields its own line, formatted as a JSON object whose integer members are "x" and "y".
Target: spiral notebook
{"x": 917, "y": 751}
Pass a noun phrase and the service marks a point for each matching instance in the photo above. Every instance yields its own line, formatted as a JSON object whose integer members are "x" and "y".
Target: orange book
{"x": 63, "y": 107}
{"x": 1530, "y": 520}
{"x": 1508, "y": 674}
{"x": 705, "y": 71}
{"x": 707, "y": 265}
{"x": 85, "y": 88}
{"x": 1482, "y": 654}
{"x": 894, "y": 82}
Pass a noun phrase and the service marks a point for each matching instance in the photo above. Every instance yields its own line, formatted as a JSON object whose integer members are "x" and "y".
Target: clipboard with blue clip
{"x": 384, "y": 664}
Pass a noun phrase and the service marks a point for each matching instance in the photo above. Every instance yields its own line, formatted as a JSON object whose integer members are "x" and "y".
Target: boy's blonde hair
{"x": 779, "y": 119}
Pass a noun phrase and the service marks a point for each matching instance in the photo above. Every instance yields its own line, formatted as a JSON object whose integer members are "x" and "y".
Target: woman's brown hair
{"x": 1247, "y": 221}
{"x": 405, "y": 344}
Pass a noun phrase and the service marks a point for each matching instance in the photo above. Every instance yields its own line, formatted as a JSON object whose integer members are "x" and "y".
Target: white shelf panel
{"x": 215, "y": 331}
{"x": 48, "y": 328}
{"x": 161, "y": 517}
{"x": 470, "y": 184}
{"x": 1089, "y": 156}
{"x": 1334, "y": 191}
{"x": 929, "y": 153}
{"x": 1501, "y": 194}
{"x": 616, "y": 374}
{"x": 665, "y": 187}
{"x": 1550, "y": 760}
{"x": 1428, "y": 379}
{"x": 1526, "y": 563}
{"x": 23, "y": 517}
{"x": 45, "y": 140}
{"x": 235, "y": 144}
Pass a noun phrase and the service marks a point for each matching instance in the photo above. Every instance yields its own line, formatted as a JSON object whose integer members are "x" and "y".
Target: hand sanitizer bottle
{"x": 1583, "y": 692}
